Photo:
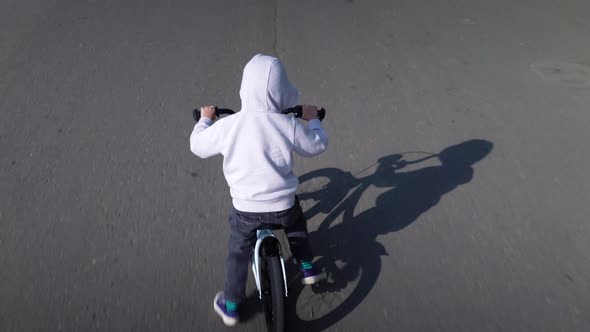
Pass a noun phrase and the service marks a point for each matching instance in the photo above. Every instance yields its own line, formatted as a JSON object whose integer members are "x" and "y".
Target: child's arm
{"x": 310, "y": 140}
{"x": 206, "y": 140}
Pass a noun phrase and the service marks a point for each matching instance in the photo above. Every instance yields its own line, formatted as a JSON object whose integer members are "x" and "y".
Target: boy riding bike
{"x": 257, "y": 145}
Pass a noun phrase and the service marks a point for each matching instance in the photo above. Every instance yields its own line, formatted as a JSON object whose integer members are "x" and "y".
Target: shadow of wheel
{"x": 352, "y": 271}
{"x": 316, "y": 308}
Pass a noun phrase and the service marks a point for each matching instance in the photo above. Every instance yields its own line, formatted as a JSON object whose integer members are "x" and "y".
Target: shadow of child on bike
{"x": 349, "y": 251}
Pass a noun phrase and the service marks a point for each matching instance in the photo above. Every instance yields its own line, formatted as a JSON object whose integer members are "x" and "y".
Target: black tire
{"x": 273, "y": 298}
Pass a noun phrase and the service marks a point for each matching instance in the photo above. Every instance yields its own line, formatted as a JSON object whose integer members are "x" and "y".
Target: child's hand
{"x": 208, "y": 112}
{"x": 310, "y": 112}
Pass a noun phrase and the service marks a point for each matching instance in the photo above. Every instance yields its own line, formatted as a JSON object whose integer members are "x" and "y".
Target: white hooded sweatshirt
{"x": 257, "y": 142}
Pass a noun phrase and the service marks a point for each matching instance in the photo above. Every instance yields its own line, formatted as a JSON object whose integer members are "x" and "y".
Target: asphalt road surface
{"x": 454, "y": 195}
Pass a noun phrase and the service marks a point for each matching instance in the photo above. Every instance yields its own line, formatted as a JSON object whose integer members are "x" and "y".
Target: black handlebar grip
{"x": 298, "y": 112}
{"x": 321, "y": 113}
{"x": 218, "y": 112}
{"x": 221, "y": 111}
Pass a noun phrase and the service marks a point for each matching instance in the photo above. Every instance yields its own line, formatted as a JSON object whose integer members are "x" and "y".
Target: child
{"x": 257, "y": 145}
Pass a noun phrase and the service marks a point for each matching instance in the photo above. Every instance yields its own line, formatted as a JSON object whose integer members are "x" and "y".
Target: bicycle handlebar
{"x": 218, "y": 112}
{"x": 297, "y": 111}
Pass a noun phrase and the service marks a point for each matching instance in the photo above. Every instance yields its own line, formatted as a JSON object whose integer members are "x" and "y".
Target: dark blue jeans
{"x": 242, "y": 238}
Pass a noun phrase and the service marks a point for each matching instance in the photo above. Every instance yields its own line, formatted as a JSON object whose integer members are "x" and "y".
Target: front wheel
{"x": 273, "y": 297}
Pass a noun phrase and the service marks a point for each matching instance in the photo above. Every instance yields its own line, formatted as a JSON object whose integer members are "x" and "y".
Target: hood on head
{"x": 265, "y": 86}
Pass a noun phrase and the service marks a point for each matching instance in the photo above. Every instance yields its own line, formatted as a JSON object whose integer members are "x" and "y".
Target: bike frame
{"x": 266, "y": 237}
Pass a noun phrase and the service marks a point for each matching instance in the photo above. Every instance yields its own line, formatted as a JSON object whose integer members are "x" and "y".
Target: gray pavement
{"x": 108, "y": 223}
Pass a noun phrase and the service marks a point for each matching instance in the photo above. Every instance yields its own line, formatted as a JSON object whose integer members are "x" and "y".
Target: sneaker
{"x": 230, "y": 317}
{"x": 312, "y": 276}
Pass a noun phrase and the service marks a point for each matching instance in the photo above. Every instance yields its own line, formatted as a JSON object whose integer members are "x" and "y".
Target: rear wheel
{"x": 273, "y": 296}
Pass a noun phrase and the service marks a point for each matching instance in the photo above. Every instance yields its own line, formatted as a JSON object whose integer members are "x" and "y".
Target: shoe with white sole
{"x": 230, "y": 317}
{"x": 312, "y": 276}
